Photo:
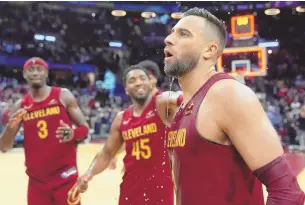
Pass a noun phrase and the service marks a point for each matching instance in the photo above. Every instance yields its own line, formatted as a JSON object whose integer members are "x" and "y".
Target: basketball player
{"x": 221, "y": 140}
{"x": 154, "y": 74}
{"x": 47, "y": 114}
{"x": 147, "y": 178}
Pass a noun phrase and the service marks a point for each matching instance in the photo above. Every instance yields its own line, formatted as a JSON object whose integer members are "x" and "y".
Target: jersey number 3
{"x": 42, "y": 129}
{"x": 141, "y": 149}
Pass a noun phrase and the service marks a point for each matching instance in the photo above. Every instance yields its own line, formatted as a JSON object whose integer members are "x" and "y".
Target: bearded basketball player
{"x": 47, "y": 115}
{"x": 154, "y": 74}
{"x": 147, "y": 178}
{"x": 222, "y": 144}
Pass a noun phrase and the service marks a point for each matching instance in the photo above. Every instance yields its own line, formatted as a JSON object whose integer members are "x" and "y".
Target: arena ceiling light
{"x": 148, "y": 14}
{"x": 272, "y": 12}
{"x": 177, "y": 15}
{"x": 118, "y": 13}
{"x": 300, "y": 9}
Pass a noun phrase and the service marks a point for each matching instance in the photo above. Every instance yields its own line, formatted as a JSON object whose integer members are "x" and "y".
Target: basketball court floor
{"x": 104, "y": 189}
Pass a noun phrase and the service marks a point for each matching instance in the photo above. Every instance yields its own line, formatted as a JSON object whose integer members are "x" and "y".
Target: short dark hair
{"x": 131, "y": 68}
{"x": 151, "y": 67}
{"x": 219, "y": 24}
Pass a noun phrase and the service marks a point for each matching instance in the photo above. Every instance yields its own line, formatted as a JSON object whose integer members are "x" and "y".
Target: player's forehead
{"x": 192, "y": 24}
{"x": 36, "y": 66}
{"x": 136, "y": 73}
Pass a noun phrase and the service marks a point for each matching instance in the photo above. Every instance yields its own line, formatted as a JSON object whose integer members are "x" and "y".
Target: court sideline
{"x": 104, "y": 189}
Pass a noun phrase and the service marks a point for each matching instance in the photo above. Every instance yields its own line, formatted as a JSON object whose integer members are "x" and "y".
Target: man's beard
{"x": 180, "y": 67}
{"x": 140, "y": 99}
{"x": 36, "y": 86}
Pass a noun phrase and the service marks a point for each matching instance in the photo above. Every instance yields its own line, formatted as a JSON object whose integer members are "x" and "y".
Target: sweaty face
{"x": 184, "y": 46}
{"x": 36, "y": 76}
{"x": 138, "y": 85}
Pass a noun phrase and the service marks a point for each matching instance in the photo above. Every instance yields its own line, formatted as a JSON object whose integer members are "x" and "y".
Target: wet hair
{"x": 218, "y": 25}
{"x": 131, "y": 68}
{"x": 151, "y": 67}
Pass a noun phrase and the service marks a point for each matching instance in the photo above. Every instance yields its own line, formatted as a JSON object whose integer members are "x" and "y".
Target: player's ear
{"x": 210, "y": 50}
{"x": 126, "y": 92}
{"x": 24, "y": 75}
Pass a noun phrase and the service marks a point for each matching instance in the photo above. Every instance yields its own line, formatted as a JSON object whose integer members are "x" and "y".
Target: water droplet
{"x": 161, "y": 187}
{"x": 144, "y": 194}
{"x": 126, "y": 198}
{"x": 163, "y": 163}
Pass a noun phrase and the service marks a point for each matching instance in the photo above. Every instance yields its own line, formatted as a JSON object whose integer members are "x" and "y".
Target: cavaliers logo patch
{"x": 189, "y": 109}
{"x": 52, "y": 102}
{"x": 150, "y": 114}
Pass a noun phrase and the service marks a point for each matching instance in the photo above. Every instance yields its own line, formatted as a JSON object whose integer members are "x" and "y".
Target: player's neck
{"x": 39, "y": 94}
{"x": 192, "y": 81}
{"x": 155, "y": 90}
{"x": 138, "y": 108}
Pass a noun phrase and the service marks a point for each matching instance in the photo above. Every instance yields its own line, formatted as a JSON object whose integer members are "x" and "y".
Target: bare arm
{"x": 248, "y": 126}
{"x": 167, "y": 105}
{"x": 76, "y": 116}
{"x": 254, "y": 137}
{"x": 112, "y": 146}
{"x": 74, "y": 111}
{"x": 9, "y": 133}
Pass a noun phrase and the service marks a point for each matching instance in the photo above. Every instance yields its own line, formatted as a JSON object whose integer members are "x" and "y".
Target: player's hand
{"x": 64, "y": 132}
{"x": 16, "y": 119}
{"x": 82, "y": 183}
{"x": 79, "y": 187}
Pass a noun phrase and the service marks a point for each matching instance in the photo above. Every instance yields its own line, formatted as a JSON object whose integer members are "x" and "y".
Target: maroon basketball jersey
{"x": 147, "y": 179}
{"x": 45, "y": 156}
{"x": 206, "y": 172}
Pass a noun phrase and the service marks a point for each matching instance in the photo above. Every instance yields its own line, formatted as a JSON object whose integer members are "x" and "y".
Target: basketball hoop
{"x": 240, "y": 76}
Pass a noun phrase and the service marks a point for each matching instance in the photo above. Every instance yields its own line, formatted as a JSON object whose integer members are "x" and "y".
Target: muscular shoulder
{"x": 66, "y": 97}
{"x": 228, "y": 91}
{"x": 233, "y": 98}
{"x": 119, "y": 115}
{"x": 65, "y": 91}
{"x": 118, "y": 119}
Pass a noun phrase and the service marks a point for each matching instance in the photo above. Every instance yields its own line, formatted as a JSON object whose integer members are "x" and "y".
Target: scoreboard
{"x": 242, "y": 26}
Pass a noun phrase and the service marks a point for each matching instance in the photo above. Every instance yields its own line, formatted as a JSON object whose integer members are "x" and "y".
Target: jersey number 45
{"x": 141, "y": 149}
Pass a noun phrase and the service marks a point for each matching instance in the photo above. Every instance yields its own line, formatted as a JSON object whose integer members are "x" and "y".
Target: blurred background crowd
{"x": 89, "y": 44}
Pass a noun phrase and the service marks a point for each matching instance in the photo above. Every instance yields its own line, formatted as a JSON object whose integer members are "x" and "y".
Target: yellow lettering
{"x": 139, "y": 131}
{"x": 124, "y": 135}
{"x": 141, "y": 149}
{"x": 177, "y": 138}
{"x": 42, "y": 129}
{"x": 42, "y": 113}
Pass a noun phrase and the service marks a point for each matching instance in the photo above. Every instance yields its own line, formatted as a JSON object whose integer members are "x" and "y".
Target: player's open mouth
{"x": 168, "y": 55}
{"x": 140, "y": 91}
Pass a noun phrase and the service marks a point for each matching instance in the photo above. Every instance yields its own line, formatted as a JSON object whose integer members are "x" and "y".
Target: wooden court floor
{"x": 104, "y": 189}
